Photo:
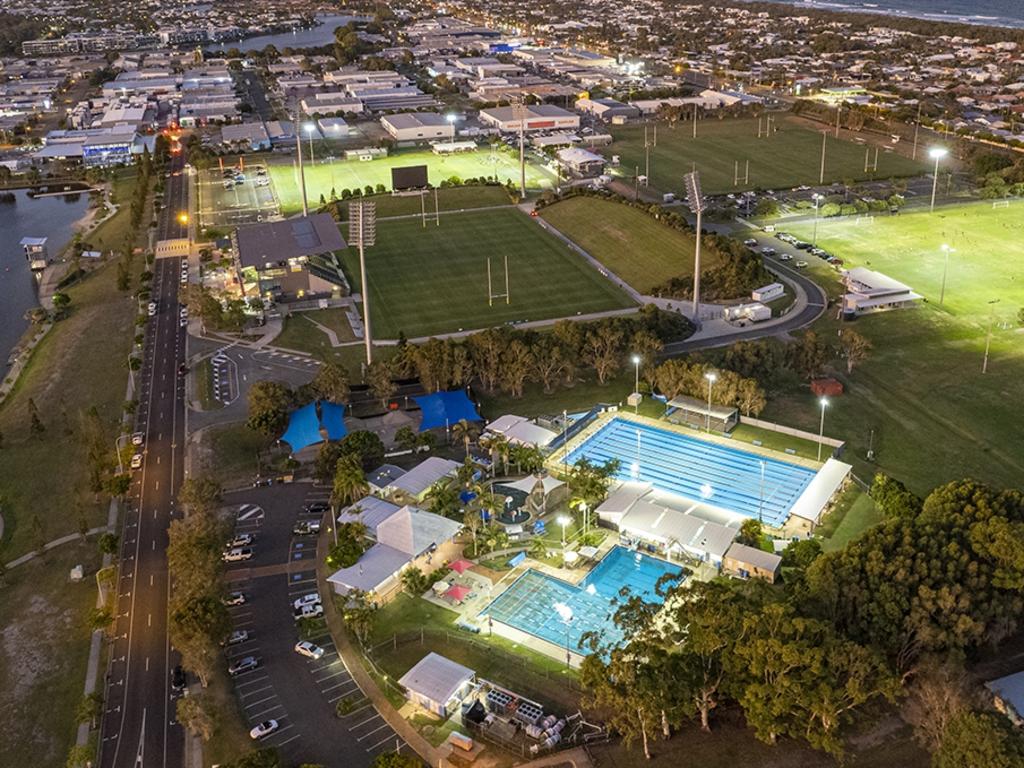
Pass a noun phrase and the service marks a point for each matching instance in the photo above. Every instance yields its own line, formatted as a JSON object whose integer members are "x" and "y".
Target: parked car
{"x": 237, "y": 555}
{"x": 750, "y": 242}
{"x": 306, "y": 527}
{"x": 307, "y": 649}
{"x": 152, "y": 308}
{"x": 800, "y": 264}
{"x": 802, "y": 245}
{"x": 317, "y": 507}
{"x": 240, "y": 540}
{"x": 237, "y": 637}
{"x": 264, "y": 729}
{"x": 138, "y": 438}
{"x": 311, "y": 599}
{"x": 136, "y": 462}
{"x": 178, "y": 679}
{"x": 235, "y": 598}
{"x": 768, "y": 251}
{"x": 785, "y": 257}
{"x": 309, "y": 612}
{"x": 240, "y": 667}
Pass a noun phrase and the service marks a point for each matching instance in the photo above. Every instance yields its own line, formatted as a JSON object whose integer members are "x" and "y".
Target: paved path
{"x": 56, "y": 543}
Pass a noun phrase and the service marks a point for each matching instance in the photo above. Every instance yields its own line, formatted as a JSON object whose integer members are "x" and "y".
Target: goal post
{"x": 491, "y": 295}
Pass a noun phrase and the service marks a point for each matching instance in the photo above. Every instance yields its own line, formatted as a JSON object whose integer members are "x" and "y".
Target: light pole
{"x": 988, "y": 335}
{"x": 945, "y": 268}
{"x": 817, "y": 204}
{"x": 760, "y": 501}
{"x": 821, "y": 428}
{"x": 936, "y": 154}
{"x": 824, "y": 138}
{"x": 712, "y": 377}
{"x": 565, "y": 614}
{"x": 131, "y": 372}
{"x": 302, "y": 170}
{"x": 636, "y": 384}
{"x": 310, "y": 130}
{"x": 563, "y": 520}
{"x": 695, "y": 200}
{"x": 117, "y": 450}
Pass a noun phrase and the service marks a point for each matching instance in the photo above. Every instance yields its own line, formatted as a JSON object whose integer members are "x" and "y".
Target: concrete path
{"x": 56, "y": 543}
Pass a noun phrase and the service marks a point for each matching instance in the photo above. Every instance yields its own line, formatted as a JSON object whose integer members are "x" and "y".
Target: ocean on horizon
{"x": 996, "y": 13}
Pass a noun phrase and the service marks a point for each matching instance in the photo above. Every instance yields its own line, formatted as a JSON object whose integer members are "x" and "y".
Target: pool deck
{"x": 556, "y": 462}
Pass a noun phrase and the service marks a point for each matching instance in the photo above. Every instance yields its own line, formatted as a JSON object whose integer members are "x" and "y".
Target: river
{"x": 50, "y": 217}
{"x": 314, "y": 37}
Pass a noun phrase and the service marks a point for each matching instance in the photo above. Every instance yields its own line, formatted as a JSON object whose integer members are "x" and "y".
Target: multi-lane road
{"x": 138, "y": 727}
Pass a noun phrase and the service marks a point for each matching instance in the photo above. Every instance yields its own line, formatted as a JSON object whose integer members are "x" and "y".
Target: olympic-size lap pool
{"x": 700, "y": 470}
{"x": 536, "y": 603}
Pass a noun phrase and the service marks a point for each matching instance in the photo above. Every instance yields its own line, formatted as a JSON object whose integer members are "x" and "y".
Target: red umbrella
{"x": 461, "y": 566}
{"x": 457, "y": 592}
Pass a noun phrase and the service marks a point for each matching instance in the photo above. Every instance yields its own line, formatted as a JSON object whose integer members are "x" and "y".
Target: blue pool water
{"x": 529, "y": 603}
{"x": 697, "y": 469}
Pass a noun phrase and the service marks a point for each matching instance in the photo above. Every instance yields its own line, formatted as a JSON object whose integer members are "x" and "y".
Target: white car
{"x": 241, "y": 540}
{"x": 800, "y": 264}
{"x": 136, "y": 462}
{"x": 152, "y": 308}
{"x": 309, "y": 612}
{"x": 307, "y": 649}
{"x": 235, "y": 598}
{"x": 311, "y": 599}
{"x": 138, "y": 438}
{"x": 237, "y": 637}
{"x": 237, "y": 555}
{"x": 264, "y": 729}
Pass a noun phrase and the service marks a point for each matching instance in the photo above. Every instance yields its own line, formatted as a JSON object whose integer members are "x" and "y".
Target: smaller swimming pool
{"x": 539, "y": 604}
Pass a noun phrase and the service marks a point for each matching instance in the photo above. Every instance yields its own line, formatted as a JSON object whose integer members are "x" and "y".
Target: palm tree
{"x": 349, "y": 481}
{"x": 498, "y": 445}
{"x": 466, "y": 431}
{"x": 473, "y": 522}
{"x": 442, "y": 498}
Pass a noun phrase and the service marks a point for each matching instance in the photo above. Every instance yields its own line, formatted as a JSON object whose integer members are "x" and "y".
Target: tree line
{"x": 890, "y": 617}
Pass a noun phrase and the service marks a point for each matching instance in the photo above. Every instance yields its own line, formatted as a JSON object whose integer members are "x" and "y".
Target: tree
{"x": 261, "y": 758}
{"x": 415, "y": 581}
{"x": 808, "y": 354}
{"x": 326, "y": 462}
{"x": 751, "y": 532}
{"x": 365, "y": 446}
{"x": 442, "y": 498}
{"x": 936, "y": 696}
{"x": 108, "y": 543}
{"x": 378, "y": 379}
{"x": 485, "y": 350}
{"x": 358, "y": 614}
{"x": 269, "y": 403}
{"x": 750, "y": 398}
{"x": 90, "y": 709}
{"x": 396, "y": 760}
{"x": 330, "y": 383}
{"x": 473, "y": 522}
{"x": 36, "y": 427}
{"x": 200, "y": 493}
{"x": 621, "y": 687}
{"x": 80, "y": 755}
{"x": 193, "y": 712}
{"x": 855, "y": 348}
{"x": 976, "y": 739}
{"x": 406, "y": 439}
{"x": 465, "y": 432}
{"x": 549, "y": 361}
{"x": 602, "y": 349}
{"x": 516, "y": 366}
{"x": 349, "y": 481}
{"x": 61, "y": 303}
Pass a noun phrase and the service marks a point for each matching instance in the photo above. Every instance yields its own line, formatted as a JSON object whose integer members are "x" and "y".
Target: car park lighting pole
{"x": 712, "y": 377}
{"x": 821, "y": 428}
{"x": 936, "y": 154}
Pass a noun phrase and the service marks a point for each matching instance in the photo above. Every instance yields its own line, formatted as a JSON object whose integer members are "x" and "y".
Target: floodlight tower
{"x": 936, "y": 154}
{"x": 519, "y": 111}
{"x": 362, "y": 230}
{"x": 302, "y": 173}
{"x": 695, "y": 201}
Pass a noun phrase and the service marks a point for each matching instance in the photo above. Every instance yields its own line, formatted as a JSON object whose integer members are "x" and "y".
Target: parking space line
{"x": 286, "y": 741}
{"x": 333, "y": 674}
{"x": 258, "y": 690}
{"x": 261, "y": 701}
{"x": 367, "y": 720}
{"x": 385, "y": 740}
{"x": 370, "y": 733}
{"x": 342, "y": 695}
{"x": 262, "y": 712}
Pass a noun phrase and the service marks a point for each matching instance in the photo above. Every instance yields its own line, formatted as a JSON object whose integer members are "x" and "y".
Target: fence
{"x": 793, "y": 432}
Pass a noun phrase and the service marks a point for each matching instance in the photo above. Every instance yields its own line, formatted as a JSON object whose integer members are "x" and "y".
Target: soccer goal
{"x": 1000, "y": 204}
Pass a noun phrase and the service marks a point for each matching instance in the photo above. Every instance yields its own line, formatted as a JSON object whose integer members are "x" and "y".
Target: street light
{"x": 565, "y": 614}
{"x": 563, "y": 520}
{"x": 695, "y": 201}
{"x": 817, "y": 204}
{"x": 821, "y": 428}
{"x": 636, "y": 384}
{"x": 936, "y": 153}
{"x": 310, "y": 129}
{"x": 117, "y": 450}
{"x": 988, "y": 335}
{"x": 712, "y": 377}
{"x": 945, "y": 268}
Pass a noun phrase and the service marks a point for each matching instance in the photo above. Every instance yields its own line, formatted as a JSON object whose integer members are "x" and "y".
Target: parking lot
{"x": 249, "y": 200}
{"x": 300, "y": 693}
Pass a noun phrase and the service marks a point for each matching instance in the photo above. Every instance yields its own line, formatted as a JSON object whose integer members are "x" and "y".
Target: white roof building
{"x": 870, "y": 291}
{"x": 435, "y": 682}
{"x": 519, "y": 429}
{"x": 417, "y": 481}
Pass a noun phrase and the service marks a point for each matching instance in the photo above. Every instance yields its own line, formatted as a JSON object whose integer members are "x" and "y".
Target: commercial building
{"x": 580, "y": 163}
{"x": 94, "y": 147}
{"x": 418, "y": 126}
{"x": 293, "y": 259}
{"x": 606, "y": 109}
{"x": 870, "y": 291}
{"x": 531, "y": 117}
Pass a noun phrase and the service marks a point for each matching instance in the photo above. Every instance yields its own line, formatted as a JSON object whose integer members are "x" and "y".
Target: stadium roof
{"x": 271, "y": 243}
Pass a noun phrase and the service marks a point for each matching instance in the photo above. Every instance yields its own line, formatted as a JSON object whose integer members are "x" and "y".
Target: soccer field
{"x": 985, "y": 264}
{"x": 643, "y": 252}
{"x": 789, "y": 158}
{"x": 321, "y": 178}
{"x": 432, "y": 280}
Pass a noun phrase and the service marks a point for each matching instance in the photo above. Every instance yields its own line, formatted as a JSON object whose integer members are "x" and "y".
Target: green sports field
{"x": 789, "y": 158}
{"x": 643, "y": 252}
{"x": 426, "y": 281}
{"x": 321, "y": 178}
{"x": 985, "y": 263}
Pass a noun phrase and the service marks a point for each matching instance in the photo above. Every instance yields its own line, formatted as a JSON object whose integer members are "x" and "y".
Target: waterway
{"x": 50, "y": 217}
{"x": 314, "y": 37}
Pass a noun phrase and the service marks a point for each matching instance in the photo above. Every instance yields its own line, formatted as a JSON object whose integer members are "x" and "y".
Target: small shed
{"x": 751, "y": 563}
{"x": 437, "y": 684}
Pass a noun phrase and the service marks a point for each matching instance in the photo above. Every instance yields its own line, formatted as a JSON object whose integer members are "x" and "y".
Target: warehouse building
{"x": 580, "y": 163}
{"x": 535, "y": 117}
{"x": 418, "y": 126}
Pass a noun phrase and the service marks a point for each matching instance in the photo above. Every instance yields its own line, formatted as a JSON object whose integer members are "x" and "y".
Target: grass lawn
{"x": 202, "y": 378}
{"x": 494, "y": 658}
{"x": 640, "y": 250}
{"x": 790, "y": 157}
{"x": 230, "y": 737}
{"x": 80, "y": 364}
{"x": 432, "y": 280}
{"x": 233, "y": 450}
{"x": 854, "y": 514}
{"x": 349, "y": 174}
{"x": 44, "y": 654}
{"x": 777, "y": 441}
{"x": 301, "y": 333}
{"x": 448, "y": 199}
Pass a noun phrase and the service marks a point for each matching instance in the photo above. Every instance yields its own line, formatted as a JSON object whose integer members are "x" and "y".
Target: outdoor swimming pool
{"x": 539, "y": 604}
{"x": 700, "y": 470}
